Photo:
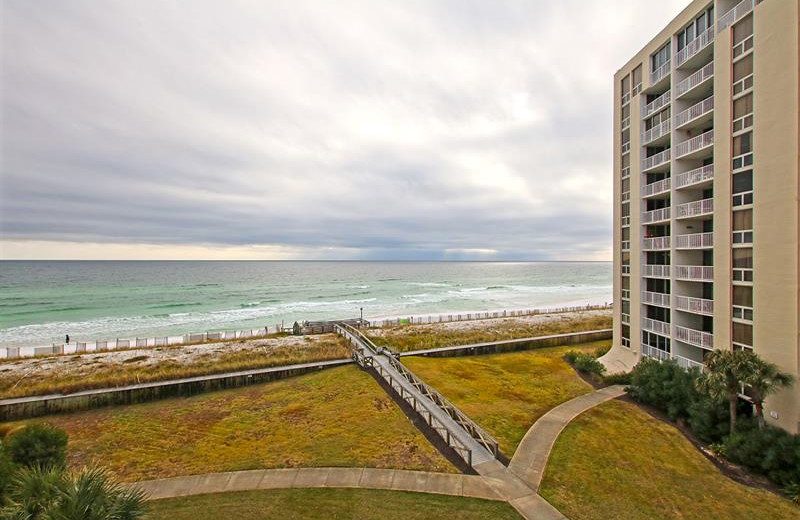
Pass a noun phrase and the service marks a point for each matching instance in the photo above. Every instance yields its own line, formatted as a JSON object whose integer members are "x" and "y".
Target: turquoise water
{"x": 42, "y": 301}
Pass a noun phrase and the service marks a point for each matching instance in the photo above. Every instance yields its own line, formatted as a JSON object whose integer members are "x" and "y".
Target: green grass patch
{"x": 326, "y": 504}
{"x": 128, "y": 372}
{"x": 337, "y": 417}
{"x": 404, "y": 338}
{"x": 505, "y": 393}
{"x": 616, "y": 461}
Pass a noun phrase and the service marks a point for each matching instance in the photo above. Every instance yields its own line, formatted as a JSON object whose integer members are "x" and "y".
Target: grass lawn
{"x": 325, "y": 504}
{"x": 127, "y": 372}
{"x": 616, "y": 461}
{"x": 505, "y": 393}
{"x": 335, "y": 417}
{"x": 423, "y": 336}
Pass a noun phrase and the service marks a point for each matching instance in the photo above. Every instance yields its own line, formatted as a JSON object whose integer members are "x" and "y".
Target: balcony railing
{"x": 697, "y": 338}
{"x": 732, "y": 16}
{"x": 655, "y": 353}
{"x": 695, "y": 241}
{"x": 695, "y": 305}
{"x": 655, "y": 215}
{"x": 657, "y": 104}
{"x": 655, "y": 271}
{"x": 656, "y": 188}
{"x": 694, "y": 112}
{"x": 695, "y": 273}
{"x": 695, "y": 176}
{"x": 660, "y": 73}
{"x": 695, "y": 144}
{"x": 695, "y": 209}
{"x": 659, "y": 327}
{"x": 695, "y": 79}
{"x": 694, "y": 46}
{"x": 656, "y": 160}
{"x": 654, "y": 298}
{"x": 656, "y": 132}
{"x": 657, "y": 243}
{"x": 686, "y": 363}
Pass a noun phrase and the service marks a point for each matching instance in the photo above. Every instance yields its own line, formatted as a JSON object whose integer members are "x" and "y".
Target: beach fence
{"x": 470, "y": 316}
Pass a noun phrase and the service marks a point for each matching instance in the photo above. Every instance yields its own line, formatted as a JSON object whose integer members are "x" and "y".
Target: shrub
{"x": 588, "y": 364}
{"x": 665, "y": 386}
{"x": 6, "y": 471}
{"x": 39, "y": 445}
{"x": 571, "y": 356}
{"x": 792, "y": 491}
{"x": 602, "y": 351}
{"x": 769, "y": 450}
{"x": 618, "y": 379}
{"x": 709, "y": 419}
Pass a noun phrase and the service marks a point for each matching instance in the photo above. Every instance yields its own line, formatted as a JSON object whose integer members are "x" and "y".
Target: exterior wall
{"x": 776, "y": 188}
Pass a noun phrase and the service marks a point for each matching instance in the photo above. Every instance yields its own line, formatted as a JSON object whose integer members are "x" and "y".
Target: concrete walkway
{"x": 517, "y": 484}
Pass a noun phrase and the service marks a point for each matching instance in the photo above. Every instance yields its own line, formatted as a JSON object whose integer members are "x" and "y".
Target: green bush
{"x": 602, "y": 351}
{"x": 6, "y": 471}
{"x": 571, "y": 356}
{"x": 709, "y": 419}
{"x": 38, "y": 445}
{"x": 618, "y": 379}
{"x": 588, "y": 364}
{"x": 665, "y": 386}
{"x": 769, "y": 450}
{"x": 792, "y": 491}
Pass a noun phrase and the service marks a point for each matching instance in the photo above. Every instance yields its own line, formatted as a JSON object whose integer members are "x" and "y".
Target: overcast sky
{"x": 375, "y": 129}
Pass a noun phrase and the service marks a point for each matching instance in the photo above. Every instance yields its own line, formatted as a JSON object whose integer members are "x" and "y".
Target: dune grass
{"x": 336, "y": 417}
{"x": 505, "y": 393}
{"x": 132, "y": 372}
{"x": 616, "y": 461}
{"x": 405, "y": 338}
{"x": 325, "y": 504}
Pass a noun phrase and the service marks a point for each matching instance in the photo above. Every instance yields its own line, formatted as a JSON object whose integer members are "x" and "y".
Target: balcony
{"x": 696, "y": 114}
{"x": 695, "y": 241}
{"x": 656, "y": 188}
{"x": 697, "y": 338}
{"x": 659, "y": 327}
{"x": 657, "y": 104}
{"x": 655, "y": 271}
{"x": 657, "y": 161}
{"x": 657, "y": 215}
{"x": 657, "y": 132}
{"x": 694, "y": 47}
{"x": 697, "y": 208}
{"x": 660, "y": 73}
{"x": 695, "y": 80}
{"x": 654, "y": 298}
{"x": 686, "y": 363}
{"x": 694, "y": 177}
{"x": 690, "y": 148}
{"x": 694, "y": 273}
{"x": 655, "y": 244}
{"x": 655, "y": 353}
{"x": 694, "y": 305}
{"x": 733, "y": 16}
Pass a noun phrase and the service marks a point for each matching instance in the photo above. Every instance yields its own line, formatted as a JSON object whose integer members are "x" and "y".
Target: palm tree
{"x": 722, "y": 379}
{"x": 762, "y": 378}
{"x": 90, "y": 494}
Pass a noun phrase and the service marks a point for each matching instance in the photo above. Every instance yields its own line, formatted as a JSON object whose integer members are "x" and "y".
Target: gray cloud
{"x": 418, "y": 129}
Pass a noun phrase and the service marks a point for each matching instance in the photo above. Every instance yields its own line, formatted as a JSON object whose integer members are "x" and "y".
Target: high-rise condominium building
{"x": 706, "y": 192}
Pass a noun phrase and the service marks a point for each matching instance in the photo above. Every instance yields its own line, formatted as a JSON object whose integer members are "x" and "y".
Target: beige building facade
{"x": 707, "y": 192}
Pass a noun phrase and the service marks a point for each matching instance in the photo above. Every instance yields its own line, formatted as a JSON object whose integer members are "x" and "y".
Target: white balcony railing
{"x": 695, "y": 209}
{"x": 694, "y": 112}
{"x": 697, "y": 338}
{"x": 657, "y": 131}
{"x": 695, "y": 305}
{"x": 655, "y": 271}
{"x": 660, "y": 73}
{"x": 694, "y": 46}
{"x": 655, "y": 353}
{"x": 657, "y": 243}
{"x": 695, "y": 241}
{"x": 686, "y": 363}
{"x": 707, "y": 72}
{"x": 656, "y": 160}
{"x": 695, "y": 176}
{"x": 654, "y": 298}
{"x": 656, "y": 188}
{"x": 732, "y": 16}
{"x": 695, "y": 273}
{"x": 695, "y": 144}
{"x": 659, "y": 327}
{"x": 657, "y": 104}
{"x": 656, "y": 215}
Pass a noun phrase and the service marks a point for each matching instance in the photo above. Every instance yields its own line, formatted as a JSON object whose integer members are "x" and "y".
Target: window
{"x": 742, "y": 68}
{"x": 626, "y": 112}
{"x": 743, "y": 296}
{"x": 626, "y": 234}
{"x": 660, "y": 58}
{"x": 626, "y": 161}
{"x": 626, "y": 85}
{"x": 696, "y": 28}
{"x": 626, "y": 185}
{"x": 743, "y": 220}
{"x": 637, "y": 77}
{"x": 657, "y": 119}
{"x": 742, "y": 30}
{"x": 743, "y": 188}
{"x": 743, "y": 334}
{"x": 743, "y": 258}
{"x": 743, "y": 144}
{"x": 743, "y": 106}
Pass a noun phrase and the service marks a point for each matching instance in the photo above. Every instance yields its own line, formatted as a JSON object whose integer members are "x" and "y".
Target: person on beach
{"x": 67, "y": 339}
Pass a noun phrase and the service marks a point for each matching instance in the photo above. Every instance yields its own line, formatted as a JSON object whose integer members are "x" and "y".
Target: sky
{"x": 354, "y": 129}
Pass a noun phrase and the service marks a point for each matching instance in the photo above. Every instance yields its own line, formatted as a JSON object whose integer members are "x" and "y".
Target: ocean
{"x": 42, "y": 301}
